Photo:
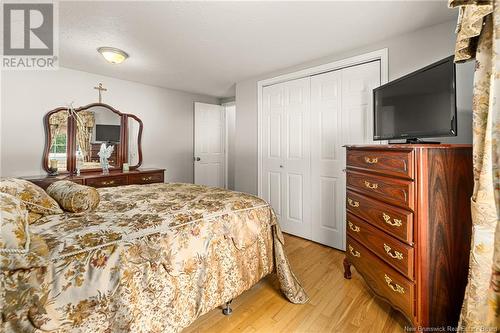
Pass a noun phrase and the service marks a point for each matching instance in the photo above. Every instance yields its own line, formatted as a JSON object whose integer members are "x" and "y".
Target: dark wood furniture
{"x": 71, "y": 128}
{"x": 409, "y": 226}
{"x": 98, "y": 179}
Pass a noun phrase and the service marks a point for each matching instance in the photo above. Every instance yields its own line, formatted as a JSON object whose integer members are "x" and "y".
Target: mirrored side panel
{"x": 58, "y": 141}
{"x": 134, "y": 130}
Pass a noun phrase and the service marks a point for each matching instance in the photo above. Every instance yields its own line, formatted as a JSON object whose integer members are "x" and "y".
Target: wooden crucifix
{"x": 101, "y": 89}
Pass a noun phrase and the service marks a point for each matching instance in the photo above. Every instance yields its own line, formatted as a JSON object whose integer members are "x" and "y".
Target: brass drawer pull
{"x": 352, "y": 203}
{"x": 353, "y": 252}
{"x": 371, "y": 185}
{"x": 371, "y": 160}
{"x": 111, "y": 182}
{"x": 397, "y": 255}
{"x": 353, "y": 227}
{"x": 387, "y": 218}
{"x": 147, "y": 178}
{"x": 395, "y": 287}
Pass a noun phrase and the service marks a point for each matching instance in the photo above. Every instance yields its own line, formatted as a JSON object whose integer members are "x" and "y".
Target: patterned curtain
{"x": 478, "y": 33}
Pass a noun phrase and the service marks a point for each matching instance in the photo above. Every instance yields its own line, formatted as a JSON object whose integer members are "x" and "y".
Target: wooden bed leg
{"x": 347, "y": 269}
{"x": 227, "y": 310}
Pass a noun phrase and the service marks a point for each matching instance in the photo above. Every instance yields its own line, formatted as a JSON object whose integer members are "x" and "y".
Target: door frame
{"x": 382, "y": 55}
{"x": 226, "y": 142}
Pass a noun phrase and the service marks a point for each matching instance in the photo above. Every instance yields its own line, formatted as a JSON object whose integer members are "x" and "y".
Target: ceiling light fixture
{"x": 112, "y": 54}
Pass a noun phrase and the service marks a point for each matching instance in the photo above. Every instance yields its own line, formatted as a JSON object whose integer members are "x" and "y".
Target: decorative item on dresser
{"x": 98, "y": 179}
{"x": 409, "y": 226}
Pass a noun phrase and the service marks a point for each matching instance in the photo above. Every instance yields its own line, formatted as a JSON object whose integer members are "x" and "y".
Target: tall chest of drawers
{"x": 409, "y": 226}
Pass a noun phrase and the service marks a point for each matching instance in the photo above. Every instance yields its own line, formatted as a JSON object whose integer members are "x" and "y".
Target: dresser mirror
{"x": 134, "y": 130}
{"x": 95, "y": 126}
{"x": 74, "y": 138}
{"x": 57, "y": 136}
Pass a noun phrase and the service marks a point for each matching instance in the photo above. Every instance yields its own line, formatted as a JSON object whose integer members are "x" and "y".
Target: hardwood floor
{"x": 336, "y": 304}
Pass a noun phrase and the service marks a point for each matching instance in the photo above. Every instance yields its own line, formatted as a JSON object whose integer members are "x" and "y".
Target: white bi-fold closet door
{"x": 305, "y": 123}
{"x": 286, "y": 162}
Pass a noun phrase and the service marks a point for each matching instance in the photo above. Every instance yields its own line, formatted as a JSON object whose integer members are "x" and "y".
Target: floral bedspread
{"x": 150, "y": 258}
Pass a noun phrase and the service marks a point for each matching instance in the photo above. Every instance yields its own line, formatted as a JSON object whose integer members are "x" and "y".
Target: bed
{"x": 149, "y": 258}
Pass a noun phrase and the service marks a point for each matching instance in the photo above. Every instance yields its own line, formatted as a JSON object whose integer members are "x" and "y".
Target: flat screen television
{"x": 421, "y": 104}
{"x": 107, "y": 133}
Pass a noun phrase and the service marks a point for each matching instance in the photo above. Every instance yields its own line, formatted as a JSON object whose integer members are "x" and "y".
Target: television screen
{"x": 107, "y": 133}
{"x": 418, "y": 105}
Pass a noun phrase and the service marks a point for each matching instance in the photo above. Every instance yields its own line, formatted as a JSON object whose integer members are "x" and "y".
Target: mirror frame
{"x": 122, "y": 153}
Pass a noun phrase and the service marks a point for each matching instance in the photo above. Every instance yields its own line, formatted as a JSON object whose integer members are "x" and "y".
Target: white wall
{"x": 28, "y": 95}
{"x": 407, "y": 53}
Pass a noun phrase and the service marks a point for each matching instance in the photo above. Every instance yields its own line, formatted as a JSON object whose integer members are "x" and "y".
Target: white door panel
{"x": 341, "y": 110}
{"x": 357, "y": 101}
{"x": 286, "y": 153}
{"x": 327, "y": 159}
{"x": 209, "y": 158}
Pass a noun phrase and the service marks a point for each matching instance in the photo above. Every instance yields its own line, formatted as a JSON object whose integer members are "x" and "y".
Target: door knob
{"x": 281, "y": 166}
{"x": 197, "y": 159}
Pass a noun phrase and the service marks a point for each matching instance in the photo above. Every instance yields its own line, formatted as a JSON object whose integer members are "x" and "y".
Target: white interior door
{"x": 209, "y": 145}
{"x": 341, "y": 113}
{"x": 285, "y": 155}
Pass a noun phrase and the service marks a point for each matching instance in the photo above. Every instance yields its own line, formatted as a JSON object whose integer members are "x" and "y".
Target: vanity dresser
{"x": 74, "y": 136}
{"x": 98, "y": 179}
{"x": 409, "y": 226}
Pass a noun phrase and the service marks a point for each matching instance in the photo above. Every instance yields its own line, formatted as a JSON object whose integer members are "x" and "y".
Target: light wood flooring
{"x": 336, "y": 304}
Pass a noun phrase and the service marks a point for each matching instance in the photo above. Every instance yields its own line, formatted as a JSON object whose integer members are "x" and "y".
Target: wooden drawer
{"x": 146, "y": 178}
{"x": 392, "y": 190}
{"x": 398, "y": 254}
{"x": 107, "y": 181}
{"x": 382, "y": 279}
{"x": 394, "y": 163}
{"x": 393, "y": 220}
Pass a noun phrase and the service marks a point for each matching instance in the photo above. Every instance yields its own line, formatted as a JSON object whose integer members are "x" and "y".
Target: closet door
{"x": 286, "y": 154}
{"x": 358, "y": 83}
{"x": 341, "y": 113}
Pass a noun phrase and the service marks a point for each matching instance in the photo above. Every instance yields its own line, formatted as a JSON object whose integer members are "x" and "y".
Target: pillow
{"x": 74, "y": 197}
{"x": 18, "y": 248}
{"x": 14, "y": 223}
{"x": 34, "y": 197}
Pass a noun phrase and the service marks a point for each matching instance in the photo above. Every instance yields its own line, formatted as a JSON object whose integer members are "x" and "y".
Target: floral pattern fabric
{"x": 14, "y": 221}
{"x": 37, "y": 201}
{"x": 150, "y": 258}
{"x": 18, "y": 248}
{"x": 73, "y": 197}
{"x": 478, "y": 36}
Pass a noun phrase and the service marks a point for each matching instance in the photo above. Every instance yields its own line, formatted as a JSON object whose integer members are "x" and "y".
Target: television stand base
{"x": 418, "y": 141}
